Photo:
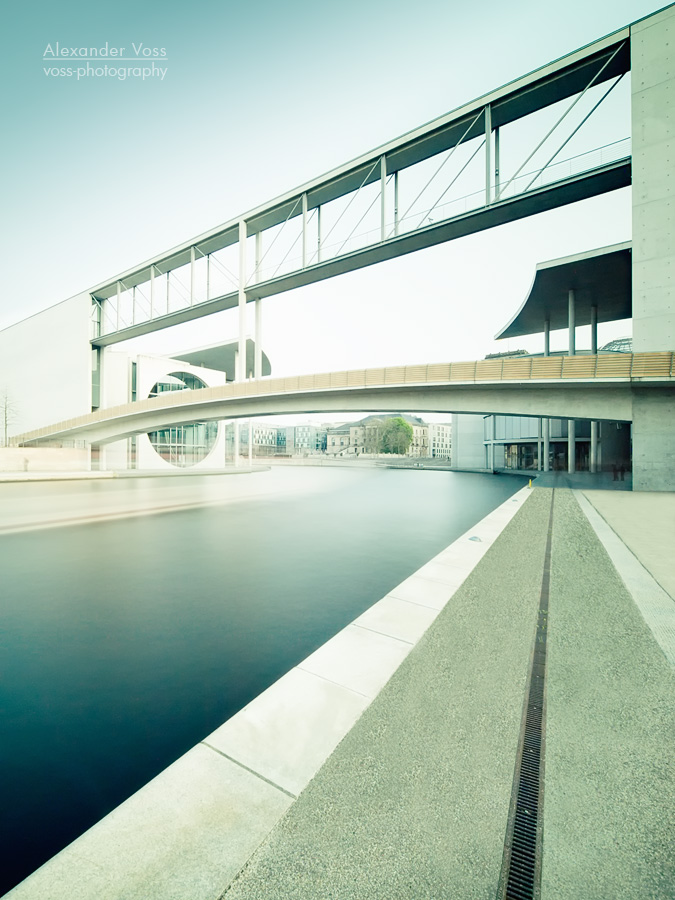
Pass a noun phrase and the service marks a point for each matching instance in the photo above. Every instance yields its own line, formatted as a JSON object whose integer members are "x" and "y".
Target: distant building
{"x": 309, "y": 438}
{"x": 440, "y": 440}
{"x": 363, "y": 437}
{"x": 338, "y": 439}
{"x": 264, "y": 439}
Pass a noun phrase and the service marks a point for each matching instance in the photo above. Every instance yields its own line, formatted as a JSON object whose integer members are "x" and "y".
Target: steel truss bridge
{"x": 442, "y": 181}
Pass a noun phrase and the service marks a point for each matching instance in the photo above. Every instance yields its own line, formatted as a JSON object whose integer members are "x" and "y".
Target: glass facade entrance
{"x": 183, "y": 445}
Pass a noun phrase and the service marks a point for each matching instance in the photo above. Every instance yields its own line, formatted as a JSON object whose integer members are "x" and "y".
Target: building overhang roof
{"x": 220, "y": 357}
{"x": 600, "y": 278}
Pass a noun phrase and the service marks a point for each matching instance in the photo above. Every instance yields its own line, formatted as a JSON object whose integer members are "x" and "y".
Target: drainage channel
{"x": 520, "y": 877}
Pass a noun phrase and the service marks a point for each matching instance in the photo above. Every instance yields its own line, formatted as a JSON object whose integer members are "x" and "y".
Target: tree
{"x": 8, "y": 413}
{"x": 396, "y": 436}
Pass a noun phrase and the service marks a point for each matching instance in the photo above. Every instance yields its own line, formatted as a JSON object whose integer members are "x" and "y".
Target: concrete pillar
{"x": 654, "y": 439}
{"x": 488, "y": 154}
{"x": 241, "y": 369}
{"x": 497, "y": 163}
{"x": 593, "y": 461}
{"x": 304, "y": 230}
{"x": 257, "y": 369}
{"x": 594, "y": 330}
{"x": 547, "y": 422}
{"x": 653, "y": 191}
{"x": 539, "y": 434}
{"x": 571, "y": 320}
{"x": 571, "y": 446}
{"x": 383, "y": 198}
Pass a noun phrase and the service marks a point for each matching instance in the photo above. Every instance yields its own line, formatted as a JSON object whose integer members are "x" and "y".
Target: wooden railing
{"x": 605, "y": 367}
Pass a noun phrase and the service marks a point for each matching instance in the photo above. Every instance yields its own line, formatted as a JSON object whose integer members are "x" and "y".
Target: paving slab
{"x": 656, "y": 606}
{"x": 193, "y": 826}
{"x": 400, "y": 619}
{"x": 287, "y": 732}
{"x": 358, "y": 659}
{"x": 645, "y": 522}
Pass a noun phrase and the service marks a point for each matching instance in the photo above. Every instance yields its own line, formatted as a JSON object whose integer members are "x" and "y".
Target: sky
{"x": 249, "y": 101}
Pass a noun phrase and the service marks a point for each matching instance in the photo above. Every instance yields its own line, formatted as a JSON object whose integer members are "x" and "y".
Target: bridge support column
{"x": 257, "y": 368}
{"x": 654, "y": 439}
{"x": 571, "y": 446}
{"x": 383, "y": 198}
{"x": 240, "y": 374}
{"x": 546, "y": 423}
{"x": 539, "y": 434}
{"x": 491, "y": 445}
{"x": 593, "y": 461}
{"x": 240, "y": 356}
{"x": 488, "y": 155}
{"x": 497, "y": 163}
{"x": 318, "y": 234}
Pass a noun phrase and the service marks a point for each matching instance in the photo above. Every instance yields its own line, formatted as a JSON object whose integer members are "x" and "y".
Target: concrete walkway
{"x": 19, "y": 477}
{"x": 414, "y": 801}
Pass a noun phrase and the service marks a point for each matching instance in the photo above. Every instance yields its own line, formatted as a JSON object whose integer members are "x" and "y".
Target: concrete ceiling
{"x": 600, "y": 278}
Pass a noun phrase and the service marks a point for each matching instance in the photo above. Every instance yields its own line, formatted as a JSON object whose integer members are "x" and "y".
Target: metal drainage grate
{"x": 521, "y": 866}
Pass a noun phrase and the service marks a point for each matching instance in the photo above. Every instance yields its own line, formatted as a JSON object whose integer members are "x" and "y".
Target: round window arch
{"x": 182, "y": 445}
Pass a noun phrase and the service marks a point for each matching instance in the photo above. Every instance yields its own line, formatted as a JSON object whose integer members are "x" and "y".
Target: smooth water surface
{"x": 124, "y": 642}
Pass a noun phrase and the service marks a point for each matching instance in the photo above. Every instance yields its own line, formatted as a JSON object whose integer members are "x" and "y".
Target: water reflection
{"x": 125, "y": 642}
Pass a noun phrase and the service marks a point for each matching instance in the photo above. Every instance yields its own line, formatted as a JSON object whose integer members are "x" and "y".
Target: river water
{"x": 125, "y": 641}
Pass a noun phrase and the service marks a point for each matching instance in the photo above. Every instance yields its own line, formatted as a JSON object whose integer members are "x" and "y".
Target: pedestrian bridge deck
{"x": 404, "y": 386}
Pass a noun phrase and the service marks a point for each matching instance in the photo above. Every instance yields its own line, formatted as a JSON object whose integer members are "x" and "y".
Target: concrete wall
{"x": 44, "y": 459}
{"x": 45, "y": 365}
{"x": 653, "y": 150}
{"x": 149, "y": 370}
{"x": 116, "y": 380}
{"x": 654, "y": 440}
{"x": 468, "y": 449}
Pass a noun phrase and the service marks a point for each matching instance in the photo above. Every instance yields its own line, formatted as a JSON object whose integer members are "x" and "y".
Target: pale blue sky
{"x": 258, "y": 98}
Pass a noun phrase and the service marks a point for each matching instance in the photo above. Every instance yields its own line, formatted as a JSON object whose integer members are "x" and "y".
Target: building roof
{"x": 600, "y": 278}
{"x": 221, "y": 358}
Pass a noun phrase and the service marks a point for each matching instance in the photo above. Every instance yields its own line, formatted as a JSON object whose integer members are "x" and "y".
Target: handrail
{"x": 608, "y": 367}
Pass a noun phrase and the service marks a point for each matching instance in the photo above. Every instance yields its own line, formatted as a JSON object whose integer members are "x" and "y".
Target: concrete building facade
{"x": 440, "y": 440}
{"x": 653, "y": 174}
